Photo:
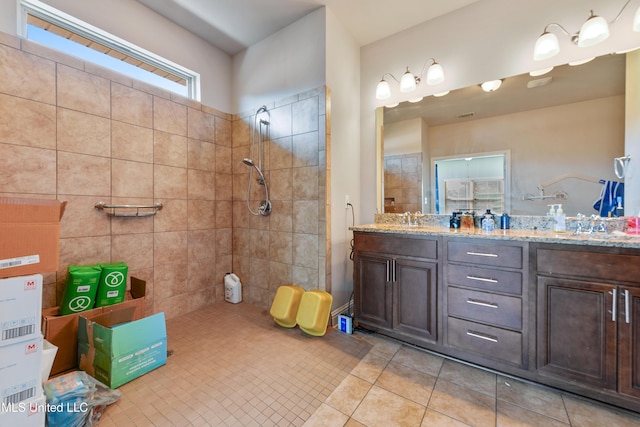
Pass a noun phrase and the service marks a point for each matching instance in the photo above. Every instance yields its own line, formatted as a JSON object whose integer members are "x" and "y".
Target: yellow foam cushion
{"x": 285, "y": 305}
{"x": 314, "y": 311}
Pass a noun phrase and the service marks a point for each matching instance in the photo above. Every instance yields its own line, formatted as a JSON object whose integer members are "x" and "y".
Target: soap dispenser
{"x": 560, "y": 225}
{"x": 488, "y": 221}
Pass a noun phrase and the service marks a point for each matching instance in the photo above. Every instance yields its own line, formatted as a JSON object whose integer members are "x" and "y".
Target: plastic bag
{"x": 77, "y": 399}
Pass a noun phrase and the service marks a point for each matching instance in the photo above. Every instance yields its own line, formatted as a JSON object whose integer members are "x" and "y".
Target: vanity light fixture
{"x": 594, "y": 30}
{"x": 581, "y": 61}
{"x": 408, "y": 82}
{"x": 439, "y": 94}
{"x": 540, "y": 72}
{"x": 491, "y": 85}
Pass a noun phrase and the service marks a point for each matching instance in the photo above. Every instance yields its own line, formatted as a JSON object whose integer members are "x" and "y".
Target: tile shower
{"x": 77, "y": 132}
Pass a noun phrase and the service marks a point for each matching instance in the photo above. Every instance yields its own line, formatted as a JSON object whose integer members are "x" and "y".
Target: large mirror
{"x": 560, "y": 132}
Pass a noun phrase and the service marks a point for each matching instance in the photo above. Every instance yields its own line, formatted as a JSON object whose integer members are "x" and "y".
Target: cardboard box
{"x": 29, "y": 235}
{"x": 115, "y": 349}
{"x": 31, "y": 413}
{"x": 62, "y": 331}
{"x": 20, "y": 372}
{"x": 20, "y": 307}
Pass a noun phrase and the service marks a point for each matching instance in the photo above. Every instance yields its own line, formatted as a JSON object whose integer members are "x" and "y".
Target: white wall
{"x": 485, "y": 40}
{"x": 141, "y": 26}
{"x": 343, "y": 79}
{"x": 285, "y": 63}
{"x": 403, "y": 137}
{"x": 632, "y": 136}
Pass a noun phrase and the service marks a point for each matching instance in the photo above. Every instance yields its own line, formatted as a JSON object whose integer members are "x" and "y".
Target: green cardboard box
{"x": 115, "y": 349}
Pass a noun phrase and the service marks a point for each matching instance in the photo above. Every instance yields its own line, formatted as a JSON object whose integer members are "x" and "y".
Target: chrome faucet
{"x": 580, "y": 224}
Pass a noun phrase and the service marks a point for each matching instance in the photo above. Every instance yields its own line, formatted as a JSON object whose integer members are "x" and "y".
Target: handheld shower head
{"x": 247, "y": 161}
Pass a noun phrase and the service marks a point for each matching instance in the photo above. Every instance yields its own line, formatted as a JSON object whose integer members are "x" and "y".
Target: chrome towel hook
{"x": 620, "y": 165}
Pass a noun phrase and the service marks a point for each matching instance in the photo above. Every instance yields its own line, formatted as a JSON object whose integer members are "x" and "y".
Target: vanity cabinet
{"x": 484, "y": 302}
{"x": 395, "y": 285}
{"x": 588, "y": 317}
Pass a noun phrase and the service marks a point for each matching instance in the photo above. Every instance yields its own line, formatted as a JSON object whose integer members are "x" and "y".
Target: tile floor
{"x": 231, "y": 366}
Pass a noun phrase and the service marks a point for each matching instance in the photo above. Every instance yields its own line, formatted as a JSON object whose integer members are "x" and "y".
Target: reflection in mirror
{"x": 565, "y": 124}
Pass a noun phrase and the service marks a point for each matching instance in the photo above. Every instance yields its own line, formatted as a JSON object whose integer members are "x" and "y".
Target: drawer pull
{"x": 482, "y": 254}
{"x": 482, "y": 279}
{"x": 482, "y": 303}
{"x": 482, "y": 336}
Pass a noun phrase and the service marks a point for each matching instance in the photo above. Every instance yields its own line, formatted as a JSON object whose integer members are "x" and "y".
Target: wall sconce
{"x": 408, "y": 82}
{"x": 594, "y": 30}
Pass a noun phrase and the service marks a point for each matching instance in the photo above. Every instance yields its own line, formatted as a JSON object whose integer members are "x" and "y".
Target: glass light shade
{"x": 593, "y": 31}
{"x": 540, "y": 72}
{"x": 383, "y": 91}
{"x": 581, "y": 61}
{"x": 636, "y": 21}
{"x": 407, "y": 82}
{"x": 491, "y": 86}
{"x": 435, "y": 74}
{"x": 546, "y": 46}
{"x": 439, "y": 94}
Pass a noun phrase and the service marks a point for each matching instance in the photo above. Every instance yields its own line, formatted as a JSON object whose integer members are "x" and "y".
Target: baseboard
{"x": 338, "y": 311}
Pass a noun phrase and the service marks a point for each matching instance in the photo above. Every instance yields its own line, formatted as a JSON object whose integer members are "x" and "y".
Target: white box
{"x": 20, "y": 372}
{"x": 20, "y": 308}
{"x": 48, "y": 356}
{"x": 31, "y": 413}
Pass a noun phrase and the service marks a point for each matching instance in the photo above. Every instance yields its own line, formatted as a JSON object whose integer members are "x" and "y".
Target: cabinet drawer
{"x": 488, "y": 341}
{"x": 395, "y": 245}
{"x": 485, "y": 253}
{"x": 498, "y": 310}
{"x": 509, "y": 282}
{"x": 593, "y": 265}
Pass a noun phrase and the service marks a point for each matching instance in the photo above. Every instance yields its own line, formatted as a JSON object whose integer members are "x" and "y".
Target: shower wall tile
{"x": 81, "y": 174}
{"x": 83, "y": 251}
{"x": 27, "y": 123}
{"x": 279, "y": 274}
{"x": 170, "y": 280}
{"x": 169, "y": 182}
{"x": 131, "y": 106}
{"x": 281, "y": 153}
{"x": 224, "y": 242}
{"x": 223, "y": 132}
{"x": 305, "y": 250}
{"x": 223, "y": 156}
{"x": 27, "y": 76}
{"x": 241, "y": 215}
{"x": 281, "y": 247}
{"x": 202, "y": 214}
{"x": 224, "y": 186}
{"x": 201, "y": 125}
{"x": 27, "y": 169}
{"x": 238, "y": 154}
{"x": 169, "y": 116}
{"x": 281, "y": 122}
{"x": 172, "y": 217}
{"x": 122, "y": 225}
{"x": 131, "y": 179}
{"x": 201, "y": 185}
{"x": 169, "y": 149}
{"x": 83, "y": 133}
{"x": 240, "y": 133}
{"x": 170, "y": 247}
{"x": 259, "y": 272}
{"x": 201, "y": 275}
{"x": 305, "y": 183}
{"x": 131, "y": 142}
{"x": 305, "y": 149}
{"x": 224, "y": 214}
{"x": 281, "y": 218}
{"x": 201, "y": 244}
{"x": 305, "y": 216}
{"x": 304, "y": 116}
{"x": 202, "y": 155}
{"x": 281, "y": 184}
{"x": 81, "y": 91}
{"x": 305, "y": 277}
{"x": 82, "y": 219}
{"x": 134, "y": 249}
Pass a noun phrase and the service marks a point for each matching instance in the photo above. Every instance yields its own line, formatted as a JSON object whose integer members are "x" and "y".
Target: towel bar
{"x": 156, "y": 207}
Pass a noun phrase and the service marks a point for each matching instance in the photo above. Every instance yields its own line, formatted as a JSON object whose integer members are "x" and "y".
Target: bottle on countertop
{"x": 560, "y": 224}
{"x": 488, "y": 221}
{"x": 504, "y": 221}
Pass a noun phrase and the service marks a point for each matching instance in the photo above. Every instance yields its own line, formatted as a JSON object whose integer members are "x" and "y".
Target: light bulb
{"x": 435, "y": 74}
{"x": 546, "y": 46}
{"x": 383, "y": 91}
{"x": 407, "y": 82}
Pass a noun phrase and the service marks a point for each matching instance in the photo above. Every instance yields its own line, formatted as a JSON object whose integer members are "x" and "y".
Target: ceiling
{"x": 234, "y": 25}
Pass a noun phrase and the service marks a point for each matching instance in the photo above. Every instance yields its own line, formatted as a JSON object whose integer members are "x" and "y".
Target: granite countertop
{"x": 613, "y": 239}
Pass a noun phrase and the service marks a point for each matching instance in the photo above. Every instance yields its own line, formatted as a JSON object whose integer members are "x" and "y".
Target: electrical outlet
{"x": 347, "y": 200}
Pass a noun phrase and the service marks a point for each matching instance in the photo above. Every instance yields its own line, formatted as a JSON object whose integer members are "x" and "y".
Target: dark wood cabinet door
{"x": 629, "y": 341}
{"x": 415, "y": 293}
{"x": 373, "y": 304}
{"x": 576, "y": 331}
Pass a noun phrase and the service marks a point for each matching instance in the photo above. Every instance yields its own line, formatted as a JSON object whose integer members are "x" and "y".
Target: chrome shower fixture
{"x": 257, "y": 148}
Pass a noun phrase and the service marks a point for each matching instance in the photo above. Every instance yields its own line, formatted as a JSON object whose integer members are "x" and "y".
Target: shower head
{"x": 247, "y": 161}
{"x": 264, "y": 122}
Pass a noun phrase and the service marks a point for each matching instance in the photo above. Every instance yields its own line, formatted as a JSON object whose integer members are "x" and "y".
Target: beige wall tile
{"x": 223, "y": 132}
{"x": 58, "y": 56}
{"x": 125, "y": 225}
{"x": 134, "y": 249}
{"x": 202, "y": 214}
{"x": 305, "y": 216}
{"x": 169, "y": 116}
{"x": 201, "y": 244}
{"x": 27, "y": 76}
{"x": 81, "y": 91}
{"x": 83, "y": 133}
{"x": 240, "y": 133}
{"x": 202, "y": 155}
{"x": 223, "y": 159}
{"x": 169, "y": 182}
{"x": 280, "y": 153}
{"x": 224, "y": 186}
{"x": 169, "y": 280}
{"x": 224, "y": 214}
{"x": 201, "y": 297}
{"x": 281, "y": 218}
{"x": 172, "y": 217}
{"x": 281, "y": 247}
{"x": 202, "y": 125}
{"x": 305, "y": 277}
{"x": 130, "y": 142}
{"x": 279, "y": 274}
{"x": 281, "y": 184}
{"x": 169, "y": 149}
{"x": 201, "y": 185}
{"x": 305, "y": 149}
{"x": 82, "y": 219}
{"x": 27, "y": 170}
{"x": 280, "y": 122}
{"x": 172, "y": 307}
{"x": 131, "y": 106}
{"x": 224, "y": 245}
{"x": 305, "y": 250}
{"x": 170, "y": 247}
{"x": 304, "y": 116}
{"x": 305, "y": 183}
{"x": 26, "y": 122}
{"x": 131, "y": 179}
{"x": 201, "y": 277}
{"x": 83, "y": 251}
{"x": 84, "y": 175}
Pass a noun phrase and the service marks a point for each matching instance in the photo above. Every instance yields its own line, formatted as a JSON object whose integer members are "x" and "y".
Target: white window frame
{"x": 68, "y": 22}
